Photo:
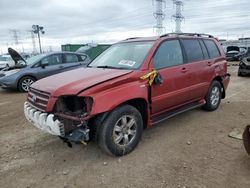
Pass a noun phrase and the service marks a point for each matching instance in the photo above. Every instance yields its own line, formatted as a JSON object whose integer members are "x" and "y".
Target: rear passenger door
{"x": 175, "y": 89}
{"x": 198, "y": 66}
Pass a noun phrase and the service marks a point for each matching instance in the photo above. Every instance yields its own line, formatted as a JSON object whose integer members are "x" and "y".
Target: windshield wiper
{"x": 108, "y": 67}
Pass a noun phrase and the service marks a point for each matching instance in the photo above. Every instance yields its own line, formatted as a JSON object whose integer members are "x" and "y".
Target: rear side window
{"x": 52, "y": 59}
{"x": 212, "y": 49}
{"x": 168, "y": 54}
{"x": 71, "y": 58}
{"x": 204, "y": 50}
{"x": 193, "y": 50}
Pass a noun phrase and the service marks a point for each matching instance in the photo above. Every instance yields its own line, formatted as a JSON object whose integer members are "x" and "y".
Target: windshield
{"x": 123, "y": 56}
{"x": 33, "y": 59}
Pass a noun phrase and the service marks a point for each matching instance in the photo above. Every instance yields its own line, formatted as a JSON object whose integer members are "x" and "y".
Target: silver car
{"x": 26, "y": 72}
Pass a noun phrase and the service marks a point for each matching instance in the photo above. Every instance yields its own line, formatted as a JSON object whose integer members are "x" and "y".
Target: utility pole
{"x": 37, "y": 30}
{"x": 178, "y": 17}
{"x": 159, "y": 16}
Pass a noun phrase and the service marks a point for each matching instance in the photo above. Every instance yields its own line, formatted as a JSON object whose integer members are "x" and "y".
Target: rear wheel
{"x": 213, "y": 97}
{"x": 25, "y": 83}
{"x": 121, "y": 131}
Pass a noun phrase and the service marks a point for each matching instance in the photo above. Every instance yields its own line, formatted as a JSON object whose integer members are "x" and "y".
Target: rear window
{"x": 193, "y": 50}
{"x": 212, "y": 49}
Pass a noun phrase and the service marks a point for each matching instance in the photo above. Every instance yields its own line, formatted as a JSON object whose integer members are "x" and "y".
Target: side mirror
{"x": 44, "y": 64}
{"x": 158, "y": 79}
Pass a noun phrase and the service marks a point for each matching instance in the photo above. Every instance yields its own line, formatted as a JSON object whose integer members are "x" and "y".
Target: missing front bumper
{"x": 43, "y": 121}
{"x": 48, "y": 123}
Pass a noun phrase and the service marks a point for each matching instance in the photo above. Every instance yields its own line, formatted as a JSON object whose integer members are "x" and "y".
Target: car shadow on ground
{"x": 10, "y": 91}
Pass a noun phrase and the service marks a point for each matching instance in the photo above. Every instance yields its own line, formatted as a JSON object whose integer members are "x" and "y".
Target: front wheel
{"x": 25, "y": 83}
{"x": 213, "y": 97}
{"x": 120, "y": 133}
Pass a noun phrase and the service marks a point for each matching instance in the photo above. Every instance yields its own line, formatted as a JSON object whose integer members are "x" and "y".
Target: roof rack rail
{"x": 188, "y": 34}
{"x": 132, "y": 38}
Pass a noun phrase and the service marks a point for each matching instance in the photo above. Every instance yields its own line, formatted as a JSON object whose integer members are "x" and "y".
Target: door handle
{"x": 184, "y": 69}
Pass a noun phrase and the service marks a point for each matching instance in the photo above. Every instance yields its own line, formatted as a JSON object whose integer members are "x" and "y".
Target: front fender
{"x": 113, "y": 97}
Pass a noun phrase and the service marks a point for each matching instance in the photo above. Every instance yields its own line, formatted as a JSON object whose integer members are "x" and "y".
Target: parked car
{"x": 26, "y": 72}
{"x": 131, "y": 86}
{"x": 6, "y": 61}
{"x": 235, "y": 53}
{"x": 244, "y": 66}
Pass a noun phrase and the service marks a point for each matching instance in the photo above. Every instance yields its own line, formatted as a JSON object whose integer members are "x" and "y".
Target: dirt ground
{"x": 190, "y": 150}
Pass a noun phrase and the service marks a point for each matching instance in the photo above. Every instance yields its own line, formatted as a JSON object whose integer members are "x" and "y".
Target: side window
{"x": 52, "y": 59}
{"x": 71, "y": 58}
{"x": 193, "y": 50}
{"x": 212, "y": 49}
{"x": 168, "y": 54}
{"x": 204, "y": 50}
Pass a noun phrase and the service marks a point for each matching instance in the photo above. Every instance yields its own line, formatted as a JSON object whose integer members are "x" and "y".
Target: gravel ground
{"x": 190, "y": 150}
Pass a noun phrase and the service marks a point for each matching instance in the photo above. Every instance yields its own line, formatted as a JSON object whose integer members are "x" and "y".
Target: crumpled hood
{"x": 75, "y": 81}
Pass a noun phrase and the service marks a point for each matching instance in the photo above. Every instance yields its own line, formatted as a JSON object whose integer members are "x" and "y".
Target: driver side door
{"x": 54, "y": 65}
{"x": 170, "y": 65}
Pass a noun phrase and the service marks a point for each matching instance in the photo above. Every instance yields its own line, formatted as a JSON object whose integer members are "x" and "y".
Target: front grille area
{"x": 38, "y": 99}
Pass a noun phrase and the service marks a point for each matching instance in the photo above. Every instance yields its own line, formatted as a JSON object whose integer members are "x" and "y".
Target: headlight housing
{"x": 10, "y": 72}
{"x": 74, "y": 105}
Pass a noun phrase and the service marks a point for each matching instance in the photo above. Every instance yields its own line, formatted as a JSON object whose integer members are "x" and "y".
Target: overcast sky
{"x": 107, "y": 21}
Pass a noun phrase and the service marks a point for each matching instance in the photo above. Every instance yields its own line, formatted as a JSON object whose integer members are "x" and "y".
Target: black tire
{"x": 246, "y": 139}
{"x": 213, "y": 97}
{"x": 108, "y": 131}
{"x": 241, "y": 74}
{"x": 26, "y": 79}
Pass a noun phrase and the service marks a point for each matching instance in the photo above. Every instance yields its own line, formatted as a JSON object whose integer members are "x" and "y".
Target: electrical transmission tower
{"x": 159, "y": 16}
{"x": 14, "y": 33}
{"x": 178, "y": 17}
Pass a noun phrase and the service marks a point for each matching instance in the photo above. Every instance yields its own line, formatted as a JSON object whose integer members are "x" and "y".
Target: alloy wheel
{"x": 124, "y": 130}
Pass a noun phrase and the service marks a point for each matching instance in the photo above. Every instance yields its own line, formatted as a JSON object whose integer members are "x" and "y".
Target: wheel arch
{"x": 139, "y": 103}
{"x": 142, "y": 106}
{"x": 26, "y": 75}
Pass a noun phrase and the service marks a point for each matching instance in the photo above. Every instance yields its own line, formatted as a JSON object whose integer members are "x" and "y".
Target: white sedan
{"x": 6, "y": 61}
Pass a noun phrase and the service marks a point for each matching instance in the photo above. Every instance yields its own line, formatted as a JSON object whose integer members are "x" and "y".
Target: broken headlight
{"x": 74, "y": 105}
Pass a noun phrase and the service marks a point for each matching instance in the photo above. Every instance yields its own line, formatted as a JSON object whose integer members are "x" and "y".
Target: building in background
{"x": 92, "y": 50}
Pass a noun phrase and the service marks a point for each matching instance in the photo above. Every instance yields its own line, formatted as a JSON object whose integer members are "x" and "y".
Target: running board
{"x": 172, "y": 113}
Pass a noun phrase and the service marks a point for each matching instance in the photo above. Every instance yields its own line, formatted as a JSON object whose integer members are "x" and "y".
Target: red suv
{"x": 133, "y": 85}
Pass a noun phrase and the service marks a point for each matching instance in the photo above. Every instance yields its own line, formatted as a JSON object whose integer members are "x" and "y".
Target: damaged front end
{"x": 74, "y": 113}
{"x": 68, "y": 120}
